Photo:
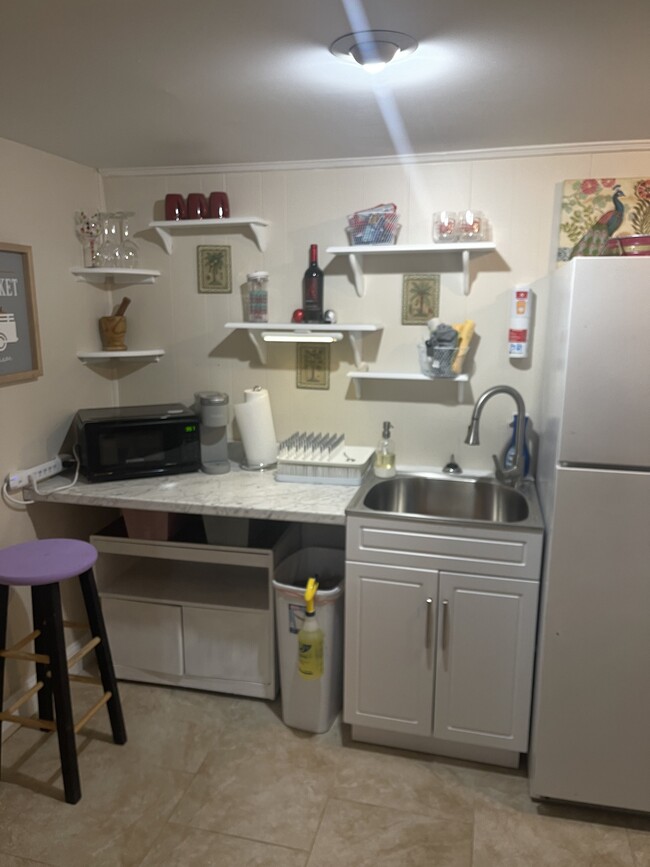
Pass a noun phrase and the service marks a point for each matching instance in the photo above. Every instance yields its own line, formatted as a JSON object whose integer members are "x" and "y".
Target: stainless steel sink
{"x": 458, "y": 499}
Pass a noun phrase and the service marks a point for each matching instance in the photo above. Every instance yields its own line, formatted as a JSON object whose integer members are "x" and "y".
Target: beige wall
{"x": 40, "y": 194}
{"x": 518, "y": 194}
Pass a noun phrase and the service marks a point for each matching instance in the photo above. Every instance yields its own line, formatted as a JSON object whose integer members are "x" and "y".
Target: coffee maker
{"x": 212, "y": 409}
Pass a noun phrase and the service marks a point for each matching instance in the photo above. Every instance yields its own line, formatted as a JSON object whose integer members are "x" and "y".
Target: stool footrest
{"x": 28, "y": 722}
{"x": 20, "y": 701}
{"x": 85, "y": 678}
{"x": 27, "y": 657}
{"x": 93, "y": 710}
{"x": 72, "y": 624}
{"x": 85, "y": 650}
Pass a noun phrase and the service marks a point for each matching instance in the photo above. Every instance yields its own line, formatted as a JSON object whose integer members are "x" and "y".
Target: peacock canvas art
{"x": 597, "y": 209}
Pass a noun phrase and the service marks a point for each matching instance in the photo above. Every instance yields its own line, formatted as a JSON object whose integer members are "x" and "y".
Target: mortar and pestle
{"x": 112, "y": 329}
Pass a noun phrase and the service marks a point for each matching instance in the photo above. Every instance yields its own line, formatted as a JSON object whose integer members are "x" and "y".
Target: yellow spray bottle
{"x": 310, "y": 638}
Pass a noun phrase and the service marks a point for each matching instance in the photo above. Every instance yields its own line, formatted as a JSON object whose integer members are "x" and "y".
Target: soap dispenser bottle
{"x": 384, "y": 466}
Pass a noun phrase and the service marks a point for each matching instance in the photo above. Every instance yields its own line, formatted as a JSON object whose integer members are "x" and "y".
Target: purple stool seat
{"x": 45, "y": 561}
{"x": 42, "y": 565}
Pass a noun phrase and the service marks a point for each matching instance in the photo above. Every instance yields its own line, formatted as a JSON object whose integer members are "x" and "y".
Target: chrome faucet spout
{"x": 515, "y": 474}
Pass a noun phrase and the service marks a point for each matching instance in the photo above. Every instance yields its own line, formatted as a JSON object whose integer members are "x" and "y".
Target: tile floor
{"x": 218, "y": 780}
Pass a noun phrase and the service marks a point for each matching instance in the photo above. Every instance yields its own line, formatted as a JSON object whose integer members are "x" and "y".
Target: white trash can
{"x": 310, "y": 705}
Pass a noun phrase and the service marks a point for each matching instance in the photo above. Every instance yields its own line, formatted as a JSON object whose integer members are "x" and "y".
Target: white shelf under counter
{"x": 358, "y": 376}
{"x": 167, "y": 228}
{"x": 130, "y": 276}
{"x": 354, "y": 333}
{"x": 126, "y": 355}
{"x": 357, "y": 252}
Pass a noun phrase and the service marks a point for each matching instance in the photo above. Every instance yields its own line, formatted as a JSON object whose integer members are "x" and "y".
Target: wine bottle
{"x": 312, "y": 288}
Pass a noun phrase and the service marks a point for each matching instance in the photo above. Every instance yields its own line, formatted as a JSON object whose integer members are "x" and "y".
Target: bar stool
{"x": 42, "y": 565}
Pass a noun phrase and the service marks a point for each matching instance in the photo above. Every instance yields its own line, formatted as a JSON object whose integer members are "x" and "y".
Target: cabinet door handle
{"x": 445, "y": 623}
{"x": 429, "y": 620}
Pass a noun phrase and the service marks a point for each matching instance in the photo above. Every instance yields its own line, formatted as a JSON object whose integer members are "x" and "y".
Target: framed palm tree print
{"x": 420, "y": 298}
{"x": 214, "y": 269}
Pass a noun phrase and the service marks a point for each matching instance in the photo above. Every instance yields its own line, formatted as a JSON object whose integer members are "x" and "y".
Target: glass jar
{"x": 88, "y": 231}
{"x": 445, "y": 227}
{"x": 258, "y": 296}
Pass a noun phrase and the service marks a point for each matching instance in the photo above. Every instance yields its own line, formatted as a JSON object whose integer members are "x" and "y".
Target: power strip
{"x": 19, "y": 479}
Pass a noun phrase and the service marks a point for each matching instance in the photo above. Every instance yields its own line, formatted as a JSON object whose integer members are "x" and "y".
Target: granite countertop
{"x": 238, "y": 493}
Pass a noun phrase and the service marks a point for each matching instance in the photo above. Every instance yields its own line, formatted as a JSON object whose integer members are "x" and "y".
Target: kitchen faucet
{"x": 515, "y": 474}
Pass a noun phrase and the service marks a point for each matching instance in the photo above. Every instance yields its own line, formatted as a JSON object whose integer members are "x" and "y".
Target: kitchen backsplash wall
{"x": 519, "y": 195}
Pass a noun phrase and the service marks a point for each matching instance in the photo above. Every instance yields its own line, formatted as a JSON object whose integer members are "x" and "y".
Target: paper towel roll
{"x": 255, "y": 422}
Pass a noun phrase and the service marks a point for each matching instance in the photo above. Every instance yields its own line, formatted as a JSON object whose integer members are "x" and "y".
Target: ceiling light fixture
{"x": 373, "y": 49}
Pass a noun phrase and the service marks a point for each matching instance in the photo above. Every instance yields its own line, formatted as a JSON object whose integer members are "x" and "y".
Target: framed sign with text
{"x": 20, "y": 351}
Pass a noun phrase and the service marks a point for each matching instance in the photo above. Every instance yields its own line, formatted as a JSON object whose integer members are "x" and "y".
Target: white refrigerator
{"x": 591, "y": 720}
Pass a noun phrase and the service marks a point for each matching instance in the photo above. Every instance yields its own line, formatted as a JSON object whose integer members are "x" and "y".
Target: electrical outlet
{"x": 19, "y": 479}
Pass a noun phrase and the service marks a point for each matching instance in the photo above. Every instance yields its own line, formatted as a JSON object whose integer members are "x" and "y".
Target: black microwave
{"x": 130, "y": 442}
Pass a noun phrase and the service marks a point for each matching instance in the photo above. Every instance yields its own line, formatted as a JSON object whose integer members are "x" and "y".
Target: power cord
{"x": 23, "y": 503}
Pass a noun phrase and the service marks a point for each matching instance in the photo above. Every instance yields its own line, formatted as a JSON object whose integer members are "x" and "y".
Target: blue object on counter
{"x": 509, "y": 452}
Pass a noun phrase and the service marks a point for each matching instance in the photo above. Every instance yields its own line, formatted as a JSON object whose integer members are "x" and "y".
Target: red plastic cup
{"x": 175, "y": 207}
{"x": 218, "y": 206}
{"x": 197, "y": 206}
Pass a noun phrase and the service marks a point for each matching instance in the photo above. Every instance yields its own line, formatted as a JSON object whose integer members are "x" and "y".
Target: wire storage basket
{"x": 378, "y": 225}
{"x": 444, "y": 362}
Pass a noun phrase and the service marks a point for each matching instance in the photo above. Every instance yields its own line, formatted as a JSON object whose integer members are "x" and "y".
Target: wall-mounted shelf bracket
{"x": 292, "y": 332}
{"x": 134, "y": 355}
{"x": 356, "y": 254}
{"x": 357, "y": 376}
{"x": 167, "y": 228}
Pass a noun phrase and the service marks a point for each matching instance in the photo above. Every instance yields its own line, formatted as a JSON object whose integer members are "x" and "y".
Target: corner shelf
{"x": 356, "y": 254}
{"x": 354, "y": 333}
{"x": 126, "y": 355}
{"x": 115, "y": 275}
{"x": 358, "y": 375}
{"x": 167, "y": 228}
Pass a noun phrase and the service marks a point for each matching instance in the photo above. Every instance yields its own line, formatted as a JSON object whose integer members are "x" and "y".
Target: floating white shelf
{"x": 115, "y": 275}
{"x": 358, "y": 375}
{"x": 127, "y": 355}
{"x": 167, "y": 228}
{"x": 255, "y": 329}
{"x": 357, "y": 252}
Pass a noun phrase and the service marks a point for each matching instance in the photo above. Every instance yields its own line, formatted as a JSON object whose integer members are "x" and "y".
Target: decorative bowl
{"x": 629, "y": 245}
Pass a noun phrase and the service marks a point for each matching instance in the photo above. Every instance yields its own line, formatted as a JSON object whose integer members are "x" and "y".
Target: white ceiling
{"x": 130, "y": 83}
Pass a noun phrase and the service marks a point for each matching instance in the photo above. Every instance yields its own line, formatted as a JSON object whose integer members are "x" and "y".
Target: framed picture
{"x": 214, "y": 269}
{"x": 420, "y": 298}
{"x": 312, "y": 366}
{"x": 20, "y": 350}
{"x": 593, "y": 210}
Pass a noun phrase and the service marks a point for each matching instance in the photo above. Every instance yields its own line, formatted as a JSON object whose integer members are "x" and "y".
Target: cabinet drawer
{"x": 426, "y": 545}
{"x": 228, "y": 644}
{"x": 145, "y": 635}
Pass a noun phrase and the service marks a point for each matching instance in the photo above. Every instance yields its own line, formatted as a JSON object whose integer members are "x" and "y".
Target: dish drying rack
{"x": 322, "y": 458}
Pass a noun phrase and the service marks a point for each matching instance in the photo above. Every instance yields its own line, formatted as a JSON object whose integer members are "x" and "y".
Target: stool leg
{"x": 103, "y": 654}
{"x": 41, "y": 618}
{"x": 50, "y": 599}
{"x": 4, "y": 603}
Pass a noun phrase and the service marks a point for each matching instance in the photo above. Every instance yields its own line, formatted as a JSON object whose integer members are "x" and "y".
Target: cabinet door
{"x": 389, "y": 647}
{"x": 484, "y": 667}
{"x": 144, "y": 635}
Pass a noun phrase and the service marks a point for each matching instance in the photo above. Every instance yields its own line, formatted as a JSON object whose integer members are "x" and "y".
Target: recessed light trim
{"x": 373, "y": 49}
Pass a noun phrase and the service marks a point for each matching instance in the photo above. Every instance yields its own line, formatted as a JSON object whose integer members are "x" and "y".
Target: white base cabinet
{"x": 190, "y": 614}
{"x": 484, "y": 666}
{"x": 389, "y": 633}
{"x": 436, "y": 652}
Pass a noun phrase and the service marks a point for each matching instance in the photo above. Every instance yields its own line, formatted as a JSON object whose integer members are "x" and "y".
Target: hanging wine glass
{"x": 128, "y": 253}
{"x": 108, "y": 252}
